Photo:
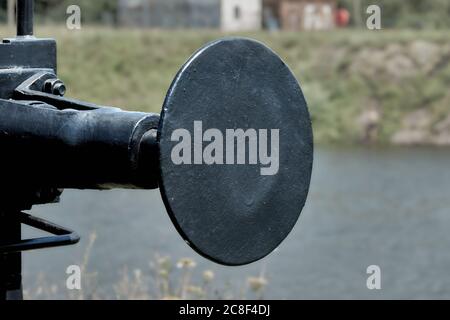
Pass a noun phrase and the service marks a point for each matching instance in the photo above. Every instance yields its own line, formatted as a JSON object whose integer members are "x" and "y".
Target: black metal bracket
{"x": 62, "y": 236}
{"x": 32, "y": 89}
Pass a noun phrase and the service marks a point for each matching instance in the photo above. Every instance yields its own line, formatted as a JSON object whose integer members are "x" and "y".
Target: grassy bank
{"x": 381, "y": 87}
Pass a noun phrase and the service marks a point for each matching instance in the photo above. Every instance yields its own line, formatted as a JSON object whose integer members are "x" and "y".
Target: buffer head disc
{"x": 236, "y": 151}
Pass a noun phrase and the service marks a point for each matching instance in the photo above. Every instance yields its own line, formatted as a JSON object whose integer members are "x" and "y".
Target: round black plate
{"x": 232, "y": 213}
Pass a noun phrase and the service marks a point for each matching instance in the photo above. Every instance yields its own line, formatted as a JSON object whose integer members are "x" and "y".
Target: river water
{"x": 386, "y": 207}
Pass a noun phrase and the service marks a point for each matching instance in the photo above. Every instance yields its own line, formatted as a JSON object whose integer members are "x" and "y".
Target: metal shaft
{"x": 25, "y": 10}
{"x": 10, "y": 263}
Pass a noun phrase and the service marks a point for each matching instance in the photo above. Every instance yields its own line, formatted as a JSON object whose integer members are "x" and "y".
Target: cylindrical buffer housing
{"x": 97, "y": 149}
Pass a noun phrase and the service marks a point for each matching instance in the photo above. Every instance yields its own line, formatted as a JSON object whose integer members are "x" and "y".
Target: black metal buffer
{"x": 234, "y": 96}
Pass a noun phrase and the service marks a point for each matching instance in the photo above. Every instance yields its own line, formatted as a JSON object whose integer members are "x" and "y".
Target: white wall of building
{"x": 241, "y": 15}
{"x": 318, "y": 16}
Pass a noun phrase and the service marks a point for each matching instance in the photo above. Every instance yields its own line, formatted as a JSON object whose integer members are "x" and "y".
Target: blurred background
{"x": 380, "y": 105}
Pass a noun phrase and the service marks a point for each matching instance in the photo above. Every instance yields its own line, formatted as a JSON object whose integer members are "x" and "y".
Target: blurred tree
{"x": 426, "y": 14}
{"x": 357, "y": 13}
{"x": 98, "y": 11}
{"x": 11, "y": 6}
{"x": 404, "y": 14}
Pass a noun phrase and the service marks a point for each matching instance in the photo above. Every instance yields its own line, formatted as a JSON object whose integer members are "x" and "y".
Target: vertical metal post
{"x": 10, "y": 263}
{"x": 25, "y": 12}
{"x": 10, "y": 225}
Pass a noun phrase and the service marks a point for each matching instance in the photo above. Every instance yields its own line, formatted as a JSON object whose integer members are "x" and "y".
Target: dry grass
{"x": 164, "y": 279}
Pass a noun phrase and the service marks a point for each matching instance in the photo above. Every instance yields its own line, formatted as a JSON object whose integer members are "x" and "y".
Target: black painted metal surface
{"x": 25, "y": 17}
{"x": 246, "y": 157}
{"x": 231, "y": 213}
{"x": 10, "y": 263}
{"x": 49, "y": 142}
{"x": 61, "y": 236}
{"x": 96, "y": 149}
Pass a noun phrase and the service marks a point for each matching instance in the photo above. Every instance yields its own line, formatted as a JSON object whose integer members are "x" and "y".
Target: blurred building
{"x": 299, "y": 14}
{"x": 229, "y": 15}
{"x": 169, "y": 13}
{"x": 241, "y": 15}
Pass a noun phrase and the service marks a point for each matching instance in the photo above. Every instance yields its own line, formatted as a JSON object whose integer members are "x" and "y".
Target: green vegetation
{"x": 51, "y": 11}
{"x": 361, "y": 86}
{"x": 417, "y": 14}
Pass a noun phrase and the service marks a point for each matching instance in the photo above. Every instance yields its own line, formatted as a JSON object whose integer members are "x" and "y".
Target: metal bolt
{"x": 55, "y": 86}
